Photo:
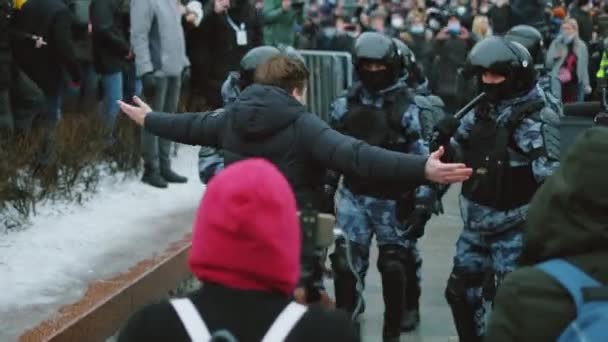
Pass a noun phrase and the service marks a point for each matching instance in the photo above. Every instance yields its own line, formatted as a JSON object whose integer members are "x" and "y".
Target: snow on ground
{"x": 50, "y": 264}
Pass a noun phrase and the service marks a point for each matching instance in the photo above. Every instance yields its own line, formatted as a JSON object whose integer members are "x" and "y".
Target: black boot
{"x": 410, "y": 320}
{"x": 411, "y": 313}
{"x": 154, "y": 179}
{"x": 390, "y": 265}
{"x": 172, "y": 177}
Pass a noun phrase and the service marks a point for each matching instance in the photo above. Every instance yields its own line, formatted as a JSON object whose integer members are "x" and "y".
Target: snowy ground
{"x": 49, "y": 265}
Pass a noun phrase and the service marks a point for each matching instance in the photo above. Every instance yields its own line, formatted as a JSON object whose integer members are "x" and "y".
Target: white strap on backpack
{"x": 287, "y": 319}
{"x": 191, "y": 319}
{"x": 197, "y": 329}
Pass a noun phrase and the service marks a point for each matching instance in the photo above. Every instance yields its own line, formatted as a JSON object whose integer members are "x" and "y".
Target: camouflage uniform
{"x": 492, "y": 239}
{"x": 210, "y": 160}
{"x": 361, "y": 217}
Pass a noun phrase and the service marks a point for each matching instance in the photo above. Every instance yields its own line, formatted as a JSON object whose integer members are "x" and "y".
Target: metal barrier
{"x": 331, "y": 73}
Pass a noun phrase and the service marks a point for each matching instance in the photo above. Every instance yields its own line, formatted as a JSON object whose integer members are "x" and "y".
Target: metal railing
{"x": 331, "y": 73}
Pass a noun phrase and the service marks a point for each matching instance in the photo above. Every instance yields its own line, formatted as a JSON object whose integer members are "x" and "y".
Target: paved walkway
{"x": 437, "y": 247}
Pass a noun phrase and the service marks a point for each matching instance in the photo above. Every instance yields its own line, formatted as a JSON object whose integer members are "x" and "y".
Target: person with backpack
{"x": 249, "y": 269}
{"x": 560, "y": 292}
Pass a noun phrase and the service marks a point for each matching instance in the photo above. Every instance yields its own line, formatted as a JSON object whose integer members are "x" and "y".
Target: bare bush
{"x": 81, "y": 157}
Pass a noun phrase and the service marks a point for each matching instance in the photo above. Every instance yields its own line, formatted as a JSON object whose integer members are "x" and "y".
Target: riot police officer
{"x": 512, "y": 141}
{"x": 380, "y": 110}
{"x": 412, "y": 72}
{"x": 532, "y": 40}
{"x": 210, "y": 159}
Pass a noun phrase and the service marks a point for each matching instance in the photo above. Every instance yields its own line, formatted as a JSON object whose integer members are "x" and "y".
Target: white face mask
{"x": 397, "y": 22}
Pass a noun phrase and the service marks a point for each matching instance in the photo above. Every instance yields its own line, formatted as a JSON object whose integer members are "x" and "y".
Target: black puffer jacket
{"x": 266, "y": 122}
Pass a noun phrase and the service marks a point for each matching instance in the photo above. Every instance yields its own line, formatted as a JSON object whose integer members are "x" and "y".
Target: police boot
{"x": 345, "y": 282}
{"x": 463, "y": 314}
{"x": 390, "y": 265}
{"x": 411, "y": 312}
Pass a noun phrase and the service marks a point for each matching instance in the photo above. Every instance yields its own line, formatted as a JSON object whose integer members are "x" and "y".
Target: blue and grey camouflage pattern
{"x": 230, "y": 88}
{"x": 553, "y": 100}
{"x": 210, "y": 161}
{"x": 528, "y": 136}
{"x": 476, "y": 254}
{"x": 362, "y": 217}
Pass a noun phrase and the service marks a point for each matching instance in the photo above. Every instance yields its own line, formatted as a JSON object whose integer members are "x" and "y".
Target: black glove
{"x": 416, "y": 222}
{"x": 445, "y": 129}
{"x": 149, "y": 84}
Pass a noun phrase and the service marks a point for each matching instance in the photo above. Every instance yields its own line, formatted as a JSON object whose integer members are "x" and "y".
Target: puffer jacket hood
{"x": 262, "y": 111}
{"x": 569, "y": 214}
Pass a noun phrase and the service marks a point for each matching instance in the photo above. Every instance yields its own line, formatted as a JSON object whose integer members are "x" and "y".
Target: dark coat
{"x": 110, "y": 36}
{"x": 52, "y": 20}
{"x": 585, "y": 24}
{"x": 567, "y": 220}
{"x": 5, "y": 51}
{"x": 246, "y": 314}
{"x": 213, "y": 49}
{"x": 500, "y": 19}
{"x": 451, "y": 54}
{"x": 266, "y": 122}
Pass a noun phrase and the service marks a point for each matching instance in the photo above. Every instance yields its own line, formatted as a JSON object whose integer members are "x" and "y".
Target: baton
{"x": 467, "y": 108}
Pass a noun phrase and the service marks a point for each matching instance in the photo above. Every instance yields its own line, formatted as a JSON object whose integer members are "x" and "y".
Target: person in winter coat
{"x": 229, "y": 29}
{"x": 111, "y": 52}
{"x": 281, "y": 18}
{"x": 6, "y": 117}
{"x": 453, "y": 43}
{"x": 530, "y": 12}
{"x": 567, "y": 220}
{"x": 568, "y": 60}
{"x": 86, "y": 95}
{"x": 580, "y": 13}
{"x": 500, "y": 16}
{"x": 159, "y": 46}
{"x": 47, "y": 61}
{"x": 248, "y": 268}
{"x": 268, "y": 120}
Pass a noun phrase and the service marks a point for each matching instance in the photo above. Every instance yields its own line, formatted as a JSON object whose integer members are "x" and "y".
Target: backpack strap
{"x": 191, "y": 319}
{"x": 285, "y": 322}
{"x": 571, "y": 278}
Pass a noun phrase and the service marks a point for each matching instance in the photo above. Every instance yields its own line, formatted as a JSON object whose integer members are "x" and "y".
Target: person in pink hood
{"x": 246, "y": 252}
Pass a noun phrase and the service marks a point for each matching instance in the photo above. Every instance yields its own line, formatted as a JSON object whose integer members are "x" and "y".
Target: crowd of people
{"x": 381, "y": 164}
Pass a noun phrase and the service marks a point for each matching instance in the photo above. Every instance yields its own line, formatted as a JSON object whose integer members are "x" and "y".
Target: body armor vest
{"x": 379, "y": 127}
{"x": 495, "y": 183}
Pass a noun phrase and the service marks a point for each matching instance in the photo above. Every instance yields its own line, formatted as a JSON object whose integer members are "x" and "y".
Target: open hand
{"x": 442, "y": 173}
{"x": 136, "y": 113}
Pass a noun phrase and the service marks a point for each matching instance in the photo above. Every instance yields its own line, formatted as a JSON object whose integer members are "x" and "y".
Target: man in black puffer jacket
{"x": 269, "y": 121}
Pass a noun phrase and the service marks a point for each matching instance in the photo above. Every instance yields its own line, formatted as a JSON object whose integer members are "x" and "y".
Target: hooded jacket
{"x": 245, "y": 250}
{"x": 267, "y": 122}
{"x": 567, "y": 219}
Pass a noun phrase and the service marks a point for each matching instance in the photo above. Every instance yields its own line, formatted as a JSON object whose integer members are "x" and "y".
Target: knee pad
{"x": 459, "y": 283}
{"x": 339, "y": 259}
{"x": 392, "y": 259}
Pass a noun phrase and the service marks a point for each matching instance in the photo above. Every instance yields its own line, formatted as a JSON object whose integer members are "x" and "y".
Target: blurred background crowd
{"x": 80, "y": 56}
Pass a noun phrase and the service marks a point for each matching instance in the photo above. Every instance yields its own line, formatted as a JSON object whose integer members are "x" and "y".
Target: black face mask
{"x": 375, "y": 81}
{"x": 497, "y": 92}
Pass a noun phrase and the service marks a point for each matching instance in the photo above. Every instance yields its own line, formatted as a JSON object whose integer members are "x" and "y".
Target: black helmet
{"x": 378, "y": 48}
{"x": 408, "y": 59}
{"x": 251, "y": 60}
{"x": 530, "y": 38}
{"x": 505, "y": 58}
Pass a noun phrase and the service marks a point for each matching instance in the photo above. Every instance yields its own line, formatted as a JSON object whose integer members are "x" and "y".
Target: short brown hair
{"x": 284, "y": 72}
